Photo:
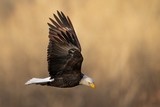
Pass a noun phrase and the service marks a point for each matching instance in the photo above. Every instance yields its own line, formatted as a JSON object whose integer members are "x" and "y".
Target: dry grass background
{"x": 121, "y": 46}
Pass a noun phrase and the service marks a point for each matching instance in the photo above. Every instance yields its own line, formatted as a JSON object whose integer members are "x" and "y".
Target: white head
{"x": 87, "y": 81}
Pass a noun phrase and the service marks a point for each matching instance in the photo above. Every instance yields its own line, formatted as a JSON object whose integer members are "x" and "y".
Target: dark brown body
{"x": 64, "y": 53}
{"x": 66, "y": 81}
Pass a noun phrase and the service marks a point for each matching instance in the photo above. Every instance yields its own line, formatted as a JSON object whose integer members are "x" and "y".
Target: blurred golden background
{"x": 120, "y": 42}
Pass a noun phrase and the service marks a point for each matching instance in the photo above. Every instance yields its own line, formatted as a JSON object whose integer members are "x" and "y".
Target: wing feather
{"x": 64, "y": 50}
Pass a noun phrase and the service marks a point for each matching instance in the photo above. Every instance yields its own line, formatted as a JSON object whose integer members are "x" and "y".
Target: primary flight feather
{"x": 64, "y": 56}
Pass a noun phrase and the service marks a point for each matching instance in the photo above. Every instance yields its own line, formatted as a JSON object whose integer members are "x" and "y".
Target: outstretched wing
{"x": 64, "y": 50}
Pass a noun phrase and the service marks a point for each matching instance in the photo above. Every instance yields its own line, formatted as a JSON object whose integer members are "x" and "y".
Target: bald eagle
{"x": 64, "y": 56}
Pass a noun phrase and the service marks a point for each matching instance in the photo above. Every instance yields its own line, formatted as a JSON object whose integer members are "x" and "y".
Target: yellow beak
{"x": 92, "y": 85}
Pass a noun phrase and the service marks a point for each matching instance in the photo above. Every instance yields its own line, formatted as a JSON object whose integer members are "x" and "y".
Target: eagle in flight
{"x": 64, "y": 56}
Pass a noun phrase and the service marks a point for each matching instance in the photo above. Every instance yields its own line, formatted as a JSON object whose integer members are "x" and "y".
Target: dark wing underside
{"x": 64, "y": 50}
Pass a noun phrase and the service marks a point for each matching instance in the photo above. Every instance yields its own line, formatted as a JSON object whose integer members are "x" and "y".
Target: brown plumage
{"x": 64, "y": 53}
{"x": 64, "y": 56}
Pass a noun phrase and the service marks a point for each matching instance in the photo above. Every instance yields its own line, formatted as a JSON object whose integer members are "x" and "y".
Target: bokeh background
{"x": 120, "y": 42}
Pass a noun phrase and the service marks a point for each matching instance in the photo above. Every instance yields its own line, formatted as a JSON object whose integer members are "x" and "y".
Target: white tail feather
{"x": 39, "y": 80}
